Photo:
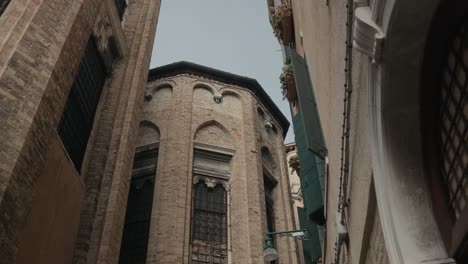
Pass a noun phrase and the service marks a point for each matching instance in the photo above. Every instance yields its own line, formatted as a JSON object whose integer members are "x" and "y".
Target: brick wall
{"x": 192, "y": 115}
{"x": 39, "y": 55}
{"x": 110, "y": 154}
{"x": 41, "y": 44}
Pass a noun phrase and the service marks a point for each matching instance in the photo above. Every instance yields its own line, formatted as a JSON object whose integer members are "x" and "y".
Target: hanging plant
{"x": 295, "y": 164}
{"x": 283, "y": 24}
{"x": 288, "y": 86}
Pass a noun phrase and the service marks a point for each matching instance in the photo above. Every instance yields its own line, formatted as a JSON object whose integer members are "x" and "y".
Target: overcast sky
{"x": 233, "y": 36}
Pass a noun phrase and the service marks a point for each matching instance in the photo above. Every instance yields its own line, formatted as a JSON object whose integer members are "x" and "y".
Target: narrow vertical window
{"x": 209, "y": 235}
{"x": 135, "y": 237}
{"x": 210, "y": 208}
{"x": 78, "y": 116}
{"x": 269, "y": 185}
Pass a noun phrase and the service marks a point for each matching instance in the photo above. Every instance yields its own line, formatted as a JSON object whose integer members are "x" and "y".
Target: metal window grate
{"x": 3, "y": 5}
{"x": 135, "y": 235}
{"x": 453, "y": 136}
{"x": 78, "y": 116}
{"x": 209, "y": 234}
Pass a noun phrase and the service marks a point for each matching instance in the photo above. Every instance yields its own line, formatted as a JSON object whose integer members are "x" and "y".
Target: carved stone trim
{"x": 368, "y": 37}
{"x": 212, "y": 148}
{"x": 359, "y": 3}
{"x": 109, "y": 35}
{"x": 211, "y": 182}
{"x": 148, "y": 95}
{"x": 196, "y": 179}
{"x": 227, "y": 186}
{"x": 217, "y": 97}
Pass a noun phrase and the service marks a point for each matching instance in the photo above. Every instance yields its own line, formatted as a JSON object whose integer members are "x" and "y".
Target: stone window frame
{"x": 212, "y": 179}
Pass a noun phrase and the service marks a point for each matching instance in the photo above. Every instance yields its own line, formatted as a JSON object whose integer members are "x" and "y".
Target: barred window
{"x": 209, "y": 219}
{"x": 135, "y": 236}
{"x": 209, "y": 234}
{"x": 78, "y": 116}
{"x": 444, "y": 105}
{"x": 453, "y": 133}
{"x": 209, "y": 216}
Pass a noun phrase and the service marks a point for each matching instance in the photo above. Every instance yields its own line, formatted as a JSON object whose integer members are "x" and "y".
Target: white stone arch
{"x": 410, "y": 230}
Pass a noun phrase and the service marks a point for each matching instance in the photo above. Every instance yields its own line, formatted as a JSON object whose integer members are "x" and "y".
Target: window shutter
{"x": 312, "y": 174}
{"x": 311, "y": 247}
{"x": 307, "y": 105}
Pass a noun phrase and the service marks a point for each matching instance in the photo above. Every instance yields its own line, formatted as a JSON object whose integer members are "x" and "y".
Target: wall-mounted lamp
{"x": 270, "y": 253}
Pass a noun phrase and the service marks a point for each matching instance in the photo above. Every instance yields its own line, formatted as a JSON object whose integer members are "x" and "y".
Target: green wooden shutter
{"x": 308, "y": 105}
{"x": 312, "y": 174}
{"x": 311, "y": 247}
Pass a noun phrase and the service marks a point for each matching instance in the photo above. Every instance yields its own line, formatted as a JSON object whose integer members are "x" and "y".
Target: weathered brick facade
{"x": 41, "y": 46}
{"x": 190, "y": 105}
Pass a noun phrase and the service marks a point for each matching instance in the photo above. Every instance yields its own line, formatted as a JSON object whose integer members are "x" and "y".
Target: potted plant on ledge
{"x": 288, "y": 86}
{"x": 295, "y": 164}
{"x": 283, "y": 24}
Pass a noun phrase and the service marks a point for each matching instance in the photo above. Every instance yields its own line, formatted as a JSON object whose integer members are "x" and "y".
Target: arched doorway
{"x": 444, "y": 112}
{"x": 395, "y": 86}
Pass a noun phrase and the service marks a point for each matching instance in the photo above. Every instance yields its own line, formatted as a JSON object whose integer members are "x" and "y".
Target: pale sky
{"x": 233, "y": 36}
